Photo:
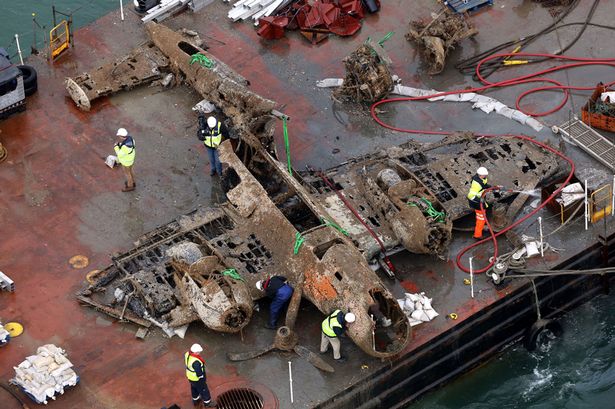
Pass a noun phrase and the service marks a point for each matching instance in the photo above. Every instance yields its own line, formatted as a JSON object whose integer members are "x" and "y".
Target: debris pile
{"x": 437, "y": 37}
{"x": 368, "y": 78}
{"x": 417, "y": 308}
{"x": 315, "y": 19}
{"x": 555, "y": 7}
{"x": 46, "y": 374}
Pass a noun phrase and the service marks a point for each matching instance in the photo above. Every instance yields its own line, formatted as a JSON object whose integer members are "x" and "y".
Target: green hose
{"x": 287, "y": 146}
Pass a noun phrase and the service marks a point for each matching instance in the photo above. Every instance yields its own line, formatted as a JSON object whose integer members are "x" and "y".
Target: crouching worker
{"x": 280, "y": 292}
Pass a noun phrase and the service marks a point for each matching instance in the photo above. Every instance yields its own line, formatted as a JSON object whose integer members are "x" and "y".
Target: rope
{"x": 545, "y": 273}
{"x": 385, "y": 38}
{"x": 231, "y": 272}
{"x": 429, "y": 210}
{"x": 201, "y": 59}
{"x": 299, "y": 239}
{"x": 327, "y": 222}
{"x": 287, "y": 145}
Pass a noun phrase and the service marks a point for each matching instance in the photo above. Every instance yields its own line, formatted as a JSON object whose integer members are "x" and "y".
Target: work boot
{"x": 212, "y": 404}
{"x": 128, "y": 188}
{"x": 340, "y": 360}
{"x": 269, "y": 326}
{"x": 212, "y": 173}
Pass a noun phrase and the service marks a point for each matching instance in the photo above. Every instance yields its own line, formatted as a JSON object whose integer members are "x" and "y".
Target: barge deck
{"x": 59, "y": 200}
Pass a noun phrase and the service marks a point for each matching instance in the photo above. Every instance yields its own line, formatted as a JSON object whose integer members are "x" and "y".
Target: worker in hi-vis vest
{"x": 332, "y": 328}
{"x": 212, "y": 132}
{"x": 477, "y": 186}
{"x": 125, "y": 150}
{"x": 195, "y": 372}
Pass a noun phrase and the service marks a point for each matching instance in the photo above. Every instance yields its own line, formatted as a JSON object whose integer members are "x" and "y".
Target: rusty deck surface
{"x": 58, "y": 199}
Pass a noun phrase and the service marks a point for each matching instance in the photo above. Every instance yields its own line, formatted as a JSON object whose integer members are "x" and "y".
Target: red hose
{"x": 533, "y": 77}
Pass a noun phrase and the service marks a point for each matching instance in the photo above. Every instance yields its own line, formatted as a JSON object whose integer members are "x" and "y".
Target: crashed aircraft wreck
{"x": 204, "y": 266}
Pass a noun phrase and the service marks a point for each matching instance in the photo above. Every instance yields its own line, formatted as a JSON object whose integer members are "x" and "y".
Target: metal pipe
{"x": 290, "y": 381}
{"x": 471, "y": 276}
{"x": 613, "y": 197}
{"x": 21, "y": 60}
{"x": 586, "y": 207}
{"x": 542, "y": 253}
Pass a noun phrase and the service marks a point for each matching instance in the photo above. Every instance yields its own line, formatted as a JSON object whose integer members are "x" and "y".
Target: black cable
{"x": 468, "y": 66}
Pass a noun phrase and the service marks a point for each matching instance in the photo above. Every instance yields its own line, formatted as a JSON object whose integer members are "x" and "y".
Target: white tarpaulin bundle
{"x": 45, "y": 374}
{"x": 485, "y": 104}
{"x": 417, "y": 308}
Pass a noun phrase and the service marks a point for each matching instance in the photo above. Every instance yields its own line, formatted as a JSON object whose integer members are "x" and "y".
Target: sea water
{"x": 573, "y": 371}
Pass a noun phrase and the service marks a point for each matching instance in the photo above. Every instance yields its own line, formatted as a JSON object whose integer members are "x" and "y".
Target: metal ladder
{"x": 589, "y": 140}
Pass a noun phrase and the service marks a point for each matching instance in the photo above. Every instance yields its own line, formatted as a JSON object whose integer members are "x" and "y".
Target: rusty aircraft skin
{"x": 141, "y": 66}
{"x": 384, "y": 188}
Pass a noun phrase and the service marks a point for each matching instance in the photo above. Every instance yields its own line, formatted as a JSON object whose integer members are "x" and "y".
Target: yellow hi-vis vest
{"x": 189, "y": 360}
{"x": 214, "y": 138}
{"x": 329, "y": 323}
{"x": 125, "y": 154}
{"x": 476, "y": 190}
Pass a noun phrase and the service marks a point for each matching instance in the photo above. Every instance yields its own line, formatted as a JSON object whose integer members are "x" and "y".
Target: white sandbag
{"x": 431, "y": 314}
{"x": 420, "y": 315}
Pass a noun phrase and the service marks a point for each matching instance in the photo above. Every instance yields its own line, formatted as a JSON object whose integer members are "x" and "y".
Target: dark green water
{"x": 16, "y": 18}
{"x": 576, "y": 371}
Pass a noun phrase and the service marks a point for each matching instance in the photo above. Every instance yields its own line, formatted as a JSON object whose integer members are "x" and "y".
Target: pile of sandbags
{"x": 417, "y": 308}
{"x": 4, "y": 336}
{"x": 46, "y": 374}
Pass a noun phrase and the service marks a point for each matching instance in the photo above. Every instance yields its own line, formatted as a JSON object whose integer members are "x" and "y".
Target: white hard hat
{"x": 349, "y": 318}
{"x": 259, "y": 285}
{"x": 211, "y": 121}
{"x": 122, "y": 132}
{"x": 196, "y": 348}
{"x": 482, "y": 171}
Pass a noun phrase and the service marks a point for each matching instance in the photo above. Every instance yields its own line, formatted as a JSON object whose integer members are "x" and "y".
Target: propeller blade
{"x": 312, "y": 358}
{"x": 244, "y": 356}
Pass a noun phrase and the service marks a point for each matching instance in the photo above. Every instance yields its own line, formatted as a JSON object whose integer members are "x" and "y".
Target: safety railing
{"x": 59, "y": 39}
{"x": 601, "y": 203}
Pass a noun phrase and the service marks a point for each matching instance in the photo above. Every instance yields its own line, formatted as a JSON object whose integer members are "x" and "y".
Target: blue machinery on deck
{"x": 462, "y": 6}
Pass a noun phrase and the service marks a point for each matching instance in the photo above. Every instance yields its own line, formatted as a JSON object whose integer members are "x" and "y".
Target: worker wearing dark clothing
{"x": 195, "y": 372}
{"x": 211, "y": 132}
{"x": 378, "y": 316}
{"x": 280, "y": 292}
{"x": 332, "y": 328}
